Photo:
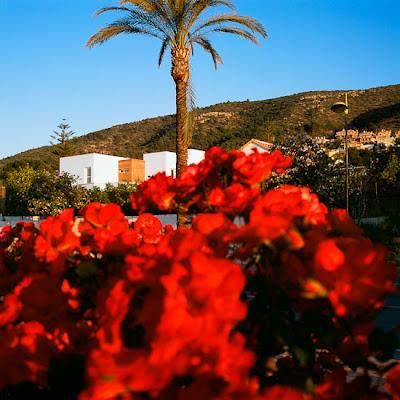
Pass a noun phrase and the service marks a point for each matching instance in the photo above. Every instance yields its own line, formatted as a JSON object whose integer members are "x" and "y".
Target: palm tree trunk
{"x": 180, "y": 73}
{"x": 181, "y": 139}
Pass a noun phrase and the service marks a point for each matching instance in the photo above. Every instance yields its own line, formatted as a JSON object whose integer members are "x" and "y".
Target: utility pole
{"x": 343, "y": 108}
{"x": 346, "y": 150}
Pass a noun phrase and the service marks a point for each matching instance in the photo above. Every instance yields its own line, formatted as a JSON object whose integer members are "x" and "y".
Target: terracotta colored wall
{"x": 130, "y": 170}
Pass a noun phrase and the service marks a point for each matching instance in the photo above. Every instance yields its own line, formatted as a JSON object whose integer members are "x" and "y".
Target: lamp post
{"x": 343, "y": 108}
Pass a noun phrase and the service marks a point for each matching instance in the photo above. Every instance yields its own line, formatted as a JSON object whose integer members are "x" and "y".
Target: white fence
{"x": 12, "y": 220}
{"x": 375, "y": 221}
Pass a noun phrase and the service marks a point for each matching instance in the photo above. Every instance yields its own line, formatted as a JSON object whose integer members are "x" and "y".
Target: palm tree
{"x": 179, "y": 25}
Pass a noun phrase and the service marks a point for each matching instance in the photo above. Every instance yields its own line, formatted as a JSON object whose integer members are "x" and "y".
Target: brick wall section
{"x": 130, "y": 170}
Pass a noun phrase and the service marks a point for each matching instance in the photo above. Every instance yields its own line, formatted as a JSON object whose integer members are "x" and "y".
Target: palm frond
{"x": 219, "y": 20}
{"x": 190, "y": 118}
{"x": 146, "y": 20}
{"x": 234, "y": 30}
{"x": 144, "y": 5}
{"x": 115, "y": 29}
{"x": 198, "y": 7}
{"x": 156, "y": 10}
{"x": 164, "y": 47}
{"x": 207, "y": 46}
{"x": 106, "y": 9}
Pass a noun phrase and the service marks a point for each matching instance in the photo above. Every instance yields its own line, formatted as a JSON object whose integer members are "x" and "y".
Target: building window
{"x": 88, "y": 175}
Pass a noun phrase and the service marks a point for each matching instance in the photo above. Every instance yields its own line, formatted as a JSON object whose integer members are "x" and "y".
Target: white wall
{"x": 195, "y": 156}
{"x": 75, "y": 165}
{"x": 104, "y": 168}
{"x": 165, "y": 161}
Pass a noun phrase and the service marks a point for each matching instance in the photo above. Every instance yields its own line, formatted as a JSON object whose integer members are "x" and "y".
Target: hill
{"x": 231, "y": 124}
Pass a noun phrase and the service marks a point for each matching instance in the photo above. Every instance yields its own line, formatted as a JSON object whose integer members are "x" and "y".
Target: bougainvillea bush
{"x": 262, "y": 296}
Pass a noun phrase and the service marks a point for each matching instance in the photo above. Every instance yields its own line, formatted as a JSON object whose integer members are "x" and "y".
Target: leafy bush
{"x": 18, "y": 184}
{"x": 278, "y": 305}
{"x": 40, "y": 192}
{"x": 117, "y": 194}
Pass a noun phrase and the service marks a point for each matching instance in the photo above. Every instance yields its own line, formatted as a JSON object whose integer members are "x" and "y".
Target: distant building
{"x": 356, "y": 145}
{"x": 332, "y": 153}
{"x": 165, "y": 161}
{"x": 320, "y": 140}
{"x": 384, "y": 133}
{"x": 97, "y": 170}
{"x": 361, "y": 139}
{"x": 367, "y": 137}
{"x": 370, "y": 146}
{"x": 92, "y": 169}
{"x": 386, "y": 141}
{"x": 255, "y": 144}
{"x": 351, "y": 134}
{"x": 131, "y": 170}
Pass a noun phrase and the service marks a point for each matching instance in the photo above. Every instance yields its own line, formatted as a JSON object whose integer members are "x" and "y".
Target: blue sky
{"x": 47, "y": 74}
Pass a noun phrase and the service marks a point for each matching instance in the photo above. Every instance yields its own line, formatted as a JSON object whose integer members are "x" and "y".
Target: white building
{"x": 165, "y": 161}
{"x": 92, "y": 169}
{"x": 386, "y": 141}
{"x": 255, "y": 144}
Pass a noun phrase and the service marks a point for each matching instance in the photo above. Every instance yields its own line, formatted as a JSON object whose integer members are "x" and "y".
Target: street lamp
{"x": 343, "y": 108}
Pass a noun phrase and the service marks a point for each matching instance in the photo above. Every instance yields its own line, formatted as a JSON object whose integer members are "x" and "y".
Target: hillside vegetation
{"x": 231, "y": 124}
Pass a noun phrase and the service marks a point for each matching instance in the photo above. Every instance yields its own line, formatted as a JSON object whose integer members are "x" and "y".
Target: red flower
{"x": 180, "y": 244}
{"x": 340, "y": 222}
{"x": 56, "y": 239}
{"x": 214, "y": 226}
{"x": 157, "y": 193}
{"x": 218, "y": 158}
{"x": 25, "y": 350}
{"x": 186, "y": 308}
{"x": 334, "y": 385}
{"x": 257, "y": 167}
{"x": 329, "y": 256}
{"x": 16, "y": 254}
{"x": 393, "y": 382}
{"x": 293, "y": 202}
{"x": 234, "y": 200}
{"x": 9, "y": 309}
{"x": 252, "y": 169}
{"x": 149, "y": 228}
{"x": 355, "y": 273}
{"x": 221, "y": 310}
{"x": 280, "y": 163}
{"x": 103, "y": 216}
{"x": 274, "y": 213}
{"x": 189, "y": 180}
{"x": 43, "y": 301}
{"x": 103, "y": 228}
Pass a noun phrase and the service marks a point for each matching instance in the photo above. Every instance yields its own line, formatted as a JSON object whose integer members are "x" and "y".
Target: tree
{"x": 62, "y": 139}
{"x": 179, "y": 25}
{"x": 391, "y": 173}
{"x": 50, "y": 193}
{"x": 18, "y": 183}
